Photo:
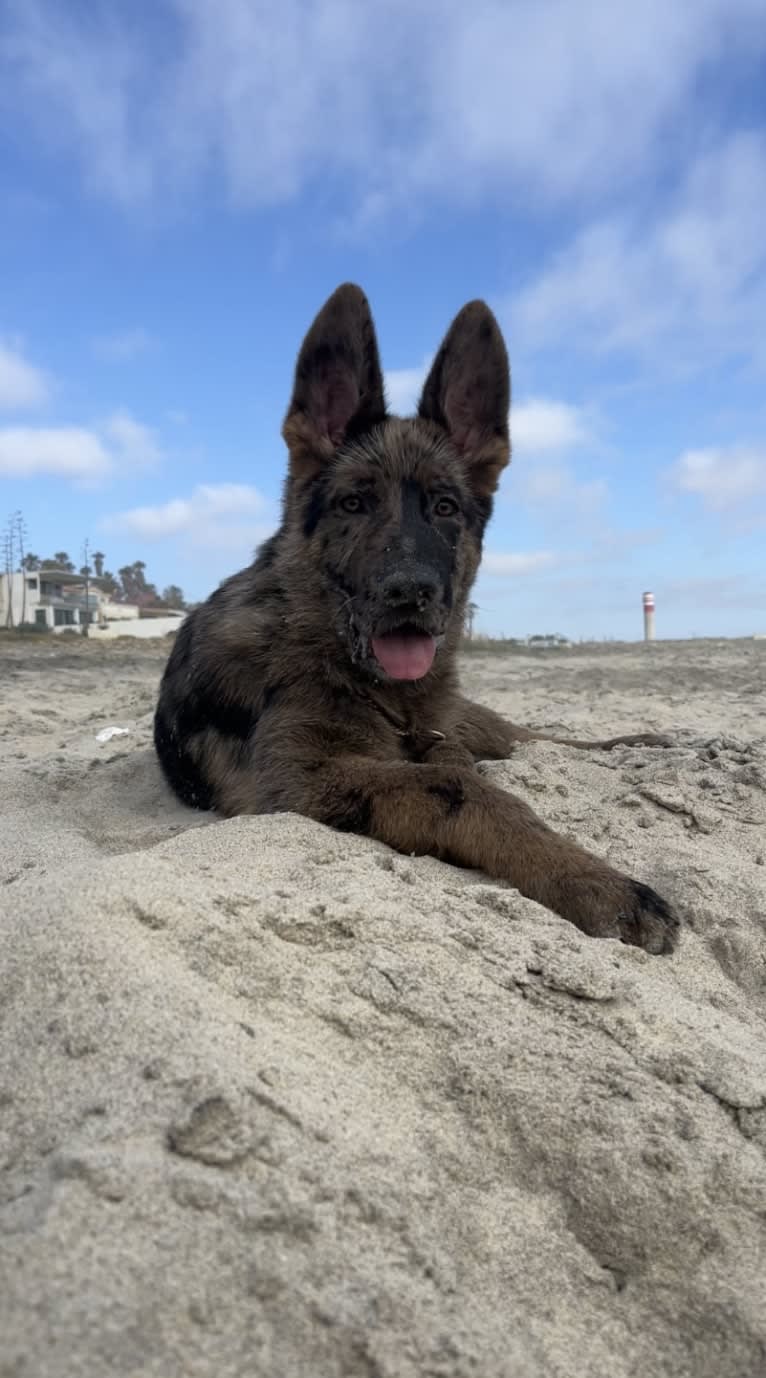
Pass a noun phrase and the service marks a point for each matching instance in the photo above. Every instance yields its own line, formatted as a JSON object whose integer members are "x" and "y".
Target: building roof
{"x": 65, "y": 576}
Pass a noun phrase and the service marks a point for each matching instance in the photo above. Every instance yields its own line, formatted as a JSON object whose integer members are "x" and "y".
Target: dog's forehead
{"x": 401, "y": 449}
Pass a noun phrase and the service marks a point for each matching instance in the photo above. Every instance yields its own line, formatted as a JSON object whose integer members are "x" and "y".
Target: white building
{"x": 56, "y": 599}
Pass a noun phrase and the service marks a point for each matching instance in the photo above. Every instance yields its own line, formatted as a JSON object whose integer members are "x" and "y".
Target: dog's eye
{"x": 445, "y": 507}
{"x": 351, "y": 503}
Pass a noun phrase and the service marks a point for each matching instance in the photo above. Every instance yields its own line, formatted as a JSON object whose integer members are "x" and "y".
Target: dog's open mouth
{"x": 405, "y": 653}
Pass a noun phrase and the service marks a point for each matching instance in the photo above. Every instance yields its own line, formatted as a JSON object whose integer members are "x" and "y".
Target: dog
{"x": 322, "y": 679}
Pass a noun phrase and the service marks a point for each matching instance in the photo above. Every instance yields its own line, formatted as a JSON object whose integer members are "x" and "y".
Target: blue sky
{"x": 183, "y": 182}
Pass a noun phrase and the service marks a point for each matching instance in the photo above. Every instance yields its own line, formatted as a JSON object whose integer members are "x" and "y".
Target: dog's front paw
{"x": 609, "y": 905}
{"x": 647, "y": 920}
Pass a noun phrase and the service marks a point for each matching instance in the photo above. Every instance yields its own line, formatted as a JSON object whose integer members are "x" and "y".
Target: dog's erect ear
{"x": 468, "y": 393}
{"x": 338, "y": 389}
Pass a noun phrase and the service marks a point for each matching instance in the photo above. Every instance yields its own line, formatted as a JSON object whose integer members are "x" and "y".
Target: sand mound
{"x": 278, "y": 1101}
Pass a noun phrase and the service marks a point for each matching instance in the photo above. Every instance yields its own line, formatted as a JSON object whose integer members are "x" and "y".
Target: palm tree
{"x": 135, "y": 586}
{"x": 98, "y": 561}
{"x": 110, "y": 585}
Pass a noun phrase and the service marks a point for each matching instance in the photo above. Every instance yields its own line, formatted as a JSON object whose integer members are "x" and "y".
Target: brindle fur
{"x": 272, "y": 700}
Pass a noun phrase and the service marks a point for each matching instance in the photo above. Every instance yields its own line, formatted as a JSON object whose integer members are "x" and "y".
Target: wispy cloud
{"x": 509, "y": 96}
{"x": 22, "y": 384}
{"x": 82, "y": 454}
{"x": 133, "y": 444}
{"x": 513, "y": 563}
{"x": 545, "y": 432}
{"x": 542, "y": 424}
{"x": 557, "y": 487}
{"x": 723, "y": 478}
{"x": 734, "y": 591}
{"x": 124, "y": 345}
{"x": 233, "y": 516}
{"x": 682, "y": 286}
{"x": 80, "y": 86}
{"x": 609, "y": 547}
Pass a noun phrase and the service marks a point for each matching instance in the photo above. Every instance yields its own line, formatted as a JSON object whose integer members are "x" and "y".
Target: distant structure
{"x": 57, "y": 600}
{"x": 648, "y": 617}
{"x": 548, "y": 642}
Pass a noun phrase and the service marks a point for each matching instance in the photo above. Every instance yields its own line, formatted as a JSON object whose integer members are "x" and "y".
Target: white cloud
{"x": 722, "y": 477}
{"x": 84, "y": 454}
{"x": 542, "y": 430}
{"x": 517, "y": 562}
{"x": 556, "y": 486}
{"x": 64, "y": 452}
{"x": 231, "y": 516}
{"x": 124, "y": 345}
{"x": 548, "y": 98}
{"x": 134, "y": 445}
{"x": 81, "y": 88}
{"x": 21, "y": 384}
{"x": 404, "y": 386}
{"x": 541, "y": 424}
{"x": 683, "y": 286}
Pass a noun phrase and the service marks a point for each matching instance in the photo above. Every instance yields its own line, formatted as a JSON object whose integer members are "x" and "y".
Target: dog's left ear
{"x": 338, "y": 389}
{"x": 468, "y": 393}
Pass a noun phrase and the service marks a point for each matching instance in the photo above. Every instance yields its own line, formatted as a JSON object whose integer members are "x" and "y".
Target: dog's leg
{"x": 453, "y": 813}
{"x": 490, "y": 737}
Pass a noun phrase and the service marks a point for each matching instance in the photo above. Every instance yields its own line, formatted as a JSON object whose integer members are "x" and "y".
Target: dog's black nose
{"x": 413, "y": 588}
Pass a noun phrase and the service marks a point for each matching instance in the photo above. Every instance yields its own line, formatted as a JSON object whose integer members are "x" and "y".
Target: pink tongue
{"x": 405, "y": 656}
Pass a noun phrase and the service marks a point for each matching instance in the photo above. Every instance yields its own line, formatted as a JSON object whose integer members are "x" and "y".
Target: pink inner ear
{"x": 336, "y": 399}
{"x": 463, "y": 411}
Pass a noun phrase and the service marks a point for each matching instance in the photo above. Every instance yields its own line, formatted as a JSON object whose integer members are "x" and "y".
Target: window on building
{"x": 63, "y": 617}
{"x": 40, "y": 617}
{"x": 31, "y": 583}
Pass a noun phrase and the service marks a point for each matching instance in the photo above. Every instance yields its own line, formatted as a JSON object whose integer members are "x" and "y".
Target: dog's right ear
{"x": 338, "y": 389}
{"x": 468, "y": 393}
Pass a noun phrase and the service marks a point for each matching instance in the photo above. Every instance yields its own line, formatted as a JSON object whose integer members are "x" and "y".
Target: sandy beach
{"x": 277, "y": 1101}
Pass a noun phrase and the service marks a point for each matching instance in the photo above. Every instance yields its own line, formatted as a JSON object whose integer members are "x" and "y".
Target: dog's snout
{"x": 416, "y": 588}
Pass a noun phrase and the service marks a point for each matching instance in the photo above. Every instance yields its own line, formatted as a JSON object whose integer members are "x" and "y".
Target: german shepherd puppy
{"x": 322, "y": 679}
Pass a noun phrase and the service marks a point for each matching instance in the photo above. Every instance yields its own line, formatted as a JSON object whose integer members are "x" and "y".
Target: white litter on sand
{"x": 108, "y": 733}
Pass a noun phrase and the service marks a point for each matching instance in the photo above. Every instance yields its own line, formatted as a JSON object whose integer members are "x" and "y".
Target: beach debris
{"x": 107, "y": 733}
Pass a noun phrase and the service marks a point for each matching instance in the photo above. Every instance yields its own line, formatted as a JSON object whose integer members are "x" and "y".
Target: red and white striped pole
{"x": 648, "y": 617}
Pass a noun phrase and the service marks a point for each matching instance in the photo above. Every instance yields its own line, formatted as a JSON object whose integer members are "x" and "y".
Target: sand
{"x": 278, "y": 1101}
